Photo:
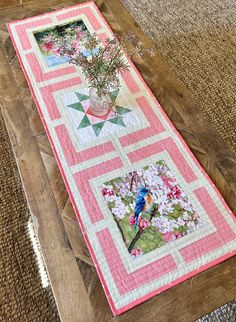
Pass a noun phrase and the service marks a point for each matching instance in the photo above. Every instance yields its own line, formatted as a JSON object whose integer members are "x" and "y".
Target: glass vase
{"x": 99, "y": 105}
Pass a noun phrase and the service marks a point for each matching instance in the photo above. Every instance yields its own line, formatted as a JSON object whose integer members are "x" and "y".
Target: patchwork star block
{"x": 89, "y": 126}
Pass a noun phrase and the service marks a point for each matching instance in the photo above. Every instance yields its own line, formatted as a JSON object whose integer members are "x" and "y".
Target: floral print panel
{"x": 53, "y": 40}
{"x": 150, "y": 208}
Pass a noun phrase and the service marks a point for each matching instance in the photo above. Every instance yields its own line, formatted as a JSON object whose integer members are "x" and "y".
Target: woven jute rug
{"x": 22, "y": 297}
{"x": 198, "y": 40}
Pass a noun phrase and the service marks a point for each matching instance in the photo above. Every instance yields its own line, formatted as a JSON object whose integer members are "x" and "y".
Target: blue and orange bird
{"x": 143, "y": 202}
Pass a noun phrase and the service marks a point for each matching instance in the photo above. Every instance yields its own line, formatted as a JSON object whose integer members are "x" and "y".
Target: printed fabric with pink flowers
{"x": 59, "y": 44}
{"x": 150, "y": 208}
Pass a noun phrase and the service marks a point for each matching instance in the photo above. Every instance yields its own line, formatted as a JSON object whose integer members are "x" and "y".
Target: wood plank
{"x": 75, "y": 235}
{"x": 9, "y": 3}
{"x": 62, "y": 268}
{"x": 191, "y": 299}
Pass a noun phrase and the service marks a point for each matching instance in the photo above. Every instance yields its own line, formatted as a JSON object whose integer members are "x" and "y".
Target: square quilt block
{"x": 88, "y": 126}
{"x": 150, "y": 208}
{"x": 46, "y": 38}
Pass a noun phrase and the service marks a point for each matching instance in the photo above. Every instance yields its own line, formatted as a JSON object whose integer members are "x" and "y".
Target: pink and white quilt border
{"x": 127, "y": 140}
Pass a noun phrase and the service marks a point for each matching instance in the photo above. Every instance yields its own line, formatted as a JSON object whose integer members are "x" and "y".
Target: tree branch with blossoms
{"x": 143, "y": 226}
{"x": 101, "y": 63}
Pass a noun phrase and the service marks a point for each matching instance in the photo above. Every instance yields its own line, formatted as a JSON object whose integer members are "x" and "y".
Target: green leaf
{"x": 176, "y": 213}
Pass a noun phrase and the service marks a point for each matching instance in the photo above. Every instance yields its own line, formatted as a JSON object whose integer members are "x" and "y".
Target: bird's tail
{"x": 136, "y": 222}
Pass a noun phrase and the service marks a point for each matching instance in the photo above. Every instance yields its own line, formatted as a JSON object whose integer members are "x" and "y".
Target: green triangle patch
{"x": 84, "y": 122}
{"x": 98, "y": 127}
{"x": 114, "y": 95}
{"x": 117, "y": 120}
{"x": 82, "y": 97}
{"x": 77, "y": 106}
{"x": 122, "y": 110}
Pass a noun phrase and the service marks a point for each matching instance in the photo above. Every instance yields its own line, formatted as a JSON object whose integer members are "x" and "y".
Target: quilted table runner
{"x": 110, "y": 163}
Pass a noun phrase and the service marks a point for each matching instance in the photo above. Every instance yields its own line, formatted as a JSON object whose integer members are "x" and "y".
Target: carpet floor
{"x": 198, "y": 39}
{"x": 22, "y": 298}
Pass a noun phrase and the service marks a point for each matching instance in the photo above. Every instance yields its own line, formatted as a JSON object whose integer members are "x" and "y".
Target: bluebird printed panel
{"x": 150, "y": 215}
{"x": 150, "y": 209}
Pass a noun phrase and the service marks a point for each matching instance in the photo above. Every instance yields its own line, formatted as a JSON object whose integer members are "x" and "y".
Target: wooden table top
{"x": 76, "y": 286}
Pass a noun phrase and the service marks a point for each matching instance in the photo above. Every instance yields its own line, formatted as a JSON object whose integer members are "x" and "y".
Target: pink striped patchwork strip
{"x": 150, "y": 215}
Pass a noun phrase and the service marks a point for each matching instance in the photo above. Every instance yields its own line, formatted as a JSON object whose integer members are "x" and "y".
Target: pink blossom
{"x": 132, "y": 220}
{"x": 80, "y": 34}
{"x": 136, "y": 252}
{"x": 178, "y": 234}
{"x": 175, "y": 192}
{"x": 56, "y": 50}
{"x": 144, "y": 223}
{"x": 48, "y": 46}
{"x": 169, "y": 237}
{"x": 75, "y": 44}
{"x": 106, "y": 191}
{"x": 168, "y": 181}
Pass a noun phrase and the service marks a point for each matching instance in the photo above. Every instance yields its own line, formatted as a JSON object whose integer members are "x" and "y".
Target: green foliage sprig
{"x": 101, "y": 64}
{"x": 104, "y": 65}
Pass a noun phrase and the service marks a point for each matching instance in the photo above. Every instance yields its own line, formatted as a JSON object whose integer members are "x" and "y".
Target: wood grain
{"x": 61, "y": 264}
{"x": 76, "y": 286}
{"x": 9, "y": 3}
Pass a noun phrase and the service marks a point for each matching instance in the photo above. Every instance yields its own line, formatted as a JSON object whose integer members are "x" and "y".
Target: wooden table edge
{"x": 24, "y": 145}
